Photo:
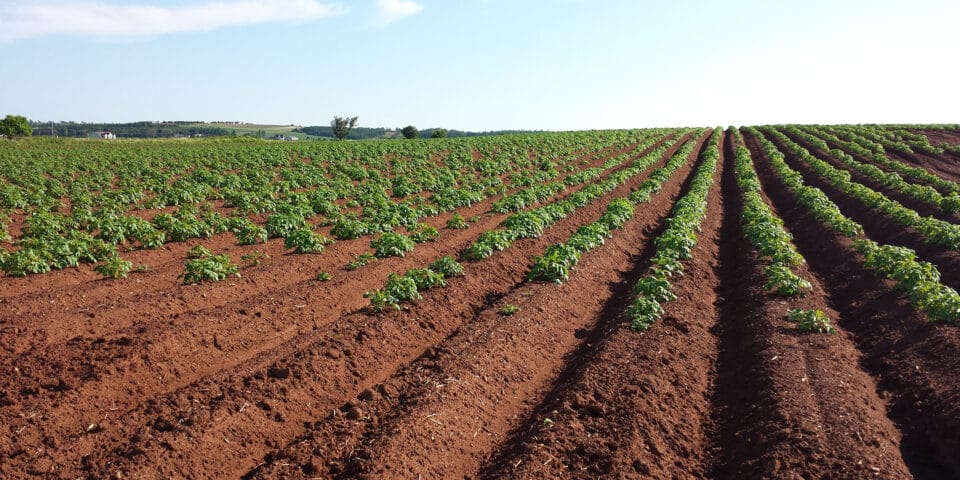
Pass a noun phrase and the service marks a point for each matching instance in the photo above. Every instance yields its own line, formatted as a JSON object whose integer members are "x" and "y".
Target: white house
{"x": 102, "y": 135}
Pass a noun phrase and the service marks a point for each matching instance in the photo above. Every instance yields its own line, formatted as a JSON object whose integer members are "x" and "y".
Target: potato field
{"x": 762, "y": 302}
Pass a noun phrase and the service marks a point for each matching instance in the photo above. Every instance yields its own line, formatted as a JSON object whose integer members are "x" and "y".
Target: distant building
{"x": 287, "y": 138}
{"x": 102, "y": 135}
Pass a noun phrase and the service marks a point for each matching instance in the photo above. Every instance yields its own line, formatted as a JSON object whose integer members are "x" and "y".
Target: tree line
{"x": 16, "y": 126}
{"x": 130, "y": 130}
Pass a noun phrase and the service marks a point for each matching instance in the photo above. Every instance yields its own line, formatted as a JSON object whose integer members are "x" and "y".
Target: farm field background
{"x": 618, "y": 303}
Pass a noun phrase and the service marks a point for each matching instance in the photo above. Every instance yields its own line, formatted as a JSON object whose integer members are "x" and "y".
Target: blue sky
{"x": 482, "y": 64}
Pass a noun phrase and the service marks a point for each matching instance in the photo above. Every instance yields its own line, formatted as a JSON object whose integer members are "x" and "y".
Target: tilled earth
{"x": 277, "y": 375}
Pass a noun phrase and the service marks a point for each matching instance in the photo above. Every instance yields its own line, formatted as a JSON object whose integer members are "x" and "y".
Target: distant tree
{"x": 410, "y": 132}
{"x": 342, "y": 126}
{"x": 15, "y": 126}
{"x": 439, "y": 133}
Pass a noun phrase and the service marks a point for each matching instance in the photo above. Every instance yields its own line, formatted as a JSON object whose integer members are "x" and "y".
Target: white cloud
{"x": 389, "y": 11}
{"x": 19, "y": 20}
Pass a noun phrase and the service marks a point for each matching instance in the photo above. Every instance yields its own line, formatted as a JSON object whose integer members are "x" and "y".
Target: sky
{"x": 482, "y": 64}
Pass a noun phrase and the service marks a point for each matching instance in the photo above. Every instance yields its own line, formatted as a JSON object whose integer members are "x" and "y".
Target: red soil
{"x": 464, "y": 395}
{"x": 937, "y": 137}
{"x": 814, "y": 409}
{"x": 923, "y": 208}
{"x": 946, "y": 166}
{"x": 913, "y": 362}
{"x": 881, "y": 227}
{"x": 130, "y": 354}
{"x": 277, "y": 375}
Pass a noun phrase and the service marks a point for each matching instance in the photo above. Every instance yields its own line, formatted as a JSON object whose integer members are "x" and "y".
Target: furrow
{"x": 786, "y": 402}
{"x": 632, "y": 404}
{"x": 880, "y": 227}
{"x": 447, "y": 411}
{"x": 210, "y": 421}
{"x": 912, "y": 360}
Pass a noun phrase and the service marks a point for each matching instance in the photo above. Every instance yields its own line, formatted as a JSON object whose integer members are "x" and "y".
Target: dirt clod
{"x": 55, "y": 384}
{"x": 367, "y": 395}
{"x": 354, "y": 413}
{"x": 332, "y": 353}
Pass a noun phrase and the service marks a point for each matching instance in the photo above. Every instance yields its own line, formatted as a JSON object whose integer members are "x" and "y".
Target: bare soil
{"x": 923, "y": 208}
{"x": 278, "y": 375}
{"x": 912, "y": 361}
{"x": 946, "y": 165}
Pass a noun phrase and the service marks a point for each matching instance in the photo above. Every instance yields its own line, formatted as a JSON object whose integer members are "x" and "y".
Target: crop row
{"x": 559, "y": 259}
{"x": 89, "y": 233}
{"x": 919, "y": 280}
{"x": 764, "y": 230}
{"x": 922, "y": 193}
{"x": 876, "y": 136}
{"x": 407, "y": 287}
{"x": 851, "y": 141}
{"x": 914, "y": 142}
{"x": 531, "y": 223}
{"x": 392, "y": 243}
{"x": 382, "y": 215}
{"x": 256, "y": 186}
{"x": 537, "y": 192}
{"x": 676, "y": 243}
{"x": 811, "y": 198}
{"x": 933, "y": 230}
{"x": 120, "y": 174}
